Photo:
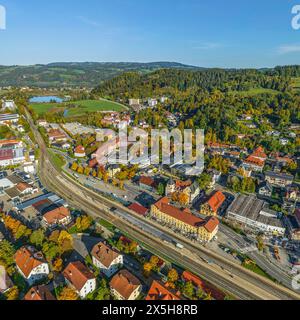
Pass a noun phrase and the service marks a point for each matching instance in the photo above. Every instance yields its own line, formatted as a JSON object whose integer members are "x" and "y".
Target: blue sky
{"x": 209, "y": 33}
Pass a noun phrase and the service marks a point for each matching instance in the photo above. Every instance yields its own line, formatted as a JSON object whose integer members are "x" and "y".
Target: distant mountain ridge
{"x": 77, "y": 74}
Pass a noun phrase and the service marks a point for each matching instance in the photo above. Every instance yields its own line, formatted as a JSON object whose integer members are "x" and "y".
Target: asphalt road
{"x": 232, "y": 278}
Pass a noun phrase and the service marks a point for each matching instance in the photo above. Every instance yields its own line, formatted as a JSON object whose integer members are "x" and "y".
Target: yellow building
{"x": 184, "y": 220}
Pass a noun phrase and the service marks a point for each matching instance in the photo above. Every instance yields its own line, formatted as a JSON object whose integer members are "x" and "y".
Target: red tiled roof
{"x": 259, "y": 153}
{"x": 93, "y": 163}
{"x": 56, "y": 133}
{"x": 256, "y": 161}
{"x": 22, "y": 186}
{"x": 188, "y": 276}
{"x": 104, "y": 254}
{"x": 9, "y": 142}
{"x": 28, "y": 258}
{"x": 125, "y": 283}
{"x": 211, "y": 224}
{"x": 78, "y": 274}
{"x": 56, "y": 214}
{"x": 79, "y": 149}
{"x": 159, "y": 292}
{"x": 39, "y": 293}
{"x": 216, "y": 201}
{"x": 138, "y": 209}
{"x": 148, "y": 181}
{"x": 183, "y": 184}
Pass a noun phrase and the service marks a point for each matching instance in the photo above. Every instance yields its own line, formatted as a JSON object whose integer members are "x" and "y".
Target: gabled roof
{"x": 159, "y": 292}
{"x": 22, "y": 186}
{"x": 79, "y": 149}
{"x": 56, "y": 214}
{"x": 138, "y": 209}
{"x": 104, "y": 254}
{"x": 256, "y": 161}
{"x": 148, "y": 181}
{"x": 188, "y": 276}
{"x": 125, "y": 283}
{"x": 78, "y": 274}
{"x": 216, "y": 201}
{"x": 28, "y": 258}
{"x": 259, "y": 153}
{"x": 39, "y": 293}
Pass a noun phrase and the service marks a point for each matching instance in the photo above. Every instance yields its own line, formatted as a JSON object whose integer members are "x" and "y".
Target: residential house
{"x": 184, "y": 220}
{"x": 31, "y": 264}
{"x": 11, "y": 157}
{"x": 256, "y": 161}
{"x": 59, "y": 216}
{"x": 159, "y": 292}
{"x": 107, "y": 260}
{"x": 213, "y": 204}
{"x": 11, "y": 144}
{"x": 79, "y": 152}
{"x": 133, "y": 102}
{"x": 25, "y": 188}
{"x": 265, "y": 189}
{"x": 56, "y": 135}
{"x": 39, "y": 293}
{"x": 152, "y": 103}
{"x": 79, "y": 277}
{"x": 125, "y": 286}
{"x": 147, "y": 183}
{"x": 279, "y": 179}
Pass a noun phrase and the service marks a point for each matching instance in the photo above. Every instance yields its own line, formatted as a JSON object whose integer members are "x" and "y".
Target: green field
{"x": 254, "y": 92}
{"x": 76, "y": 108}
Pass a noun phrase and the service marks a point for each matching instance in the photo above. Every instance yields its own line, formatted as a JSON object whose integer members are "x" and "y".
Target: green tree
{"x": 37, "y": 237}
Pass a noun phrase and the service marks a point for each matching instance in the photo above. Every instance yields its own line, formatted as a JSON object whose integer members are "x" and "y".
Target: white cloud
{"x": 286, "y": 49}
{"x": 207, "y": 46}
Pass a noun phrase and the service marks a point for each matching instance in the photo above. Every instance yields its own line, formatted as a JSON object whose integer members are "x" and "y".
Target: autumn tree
{"x": 74, "y": 166}
{"x": 68, "y": 294}
{"x": 83, "y": 223}
{"x": 58, "y": 265}
{"x": 183, "y": 199}
{"x": 65, "y": 241}
{"x": 12, "y": 294}
{"x": 147, "y": 268}
{"x": 173, "y": 276}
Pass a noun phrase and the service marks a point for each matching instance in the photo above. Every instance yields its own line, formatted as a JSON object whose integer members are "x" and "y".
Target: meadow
{"x": 76, "y": 108}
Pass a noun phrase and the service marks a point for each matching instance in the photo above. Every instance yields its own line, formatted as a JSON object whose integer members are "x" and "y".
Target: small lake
{"x": 46, "y": 99}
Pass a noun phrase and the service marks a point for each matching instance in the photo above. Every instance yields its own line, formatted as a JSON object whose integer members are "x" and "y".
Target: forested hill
{"x": 166, "y": 81}
{"x": 73, "y": 74}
